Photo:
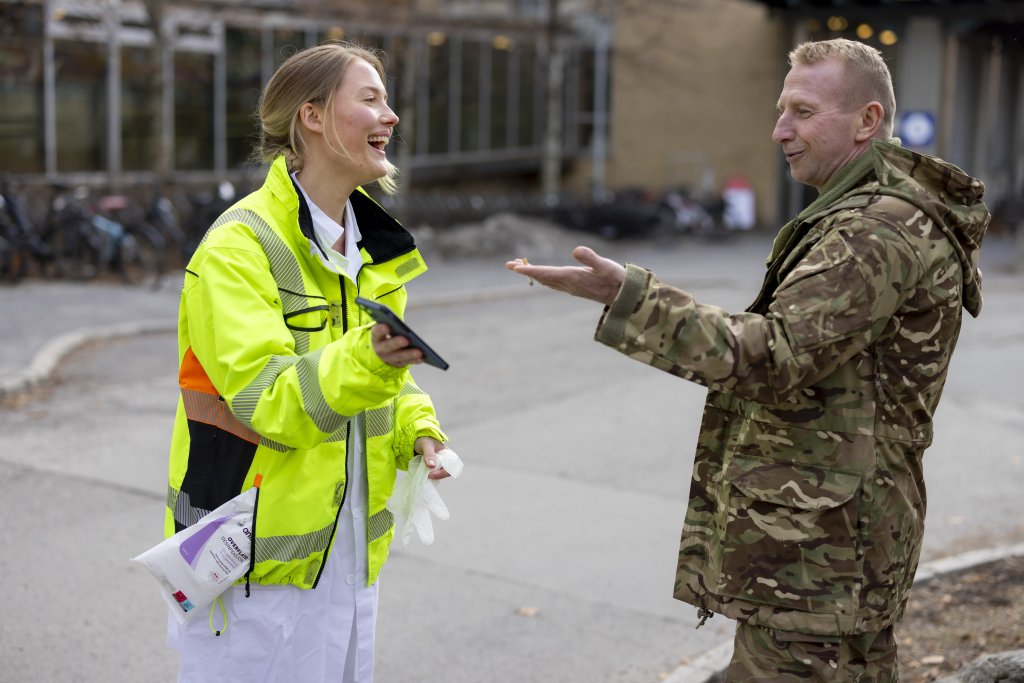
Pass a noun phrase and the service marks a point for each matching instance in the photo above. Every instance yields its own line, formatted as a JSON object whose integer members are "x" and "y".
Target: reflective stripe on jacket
{"x": 275, "y": 361}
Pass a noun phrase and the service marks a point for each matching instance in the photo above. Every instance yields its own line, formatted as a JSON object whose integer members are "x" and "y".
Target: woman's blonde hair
{"x": 868, "y": 77}
{"x": 311, "y": 75}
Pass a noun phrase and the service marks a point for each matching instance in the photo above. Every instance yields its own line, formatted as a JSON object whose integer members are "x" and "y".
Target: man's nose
{"x": 783, "y": 131}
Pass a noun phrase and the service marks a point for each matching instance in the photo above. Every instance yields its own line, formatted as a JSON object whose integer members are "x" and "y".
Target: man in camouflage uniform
{"x": 807, "y": 499}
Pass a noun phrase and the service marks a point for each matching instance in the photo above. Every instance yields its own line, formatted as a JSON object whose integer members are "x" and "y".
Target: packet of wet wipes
{"x": 200, "y": 562}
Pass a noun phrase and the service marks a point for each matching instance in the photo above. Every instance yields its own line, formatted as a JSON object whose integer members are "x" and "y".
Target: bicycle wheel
{"x": 139, "y": 261}
{"x": 11, "y": 264}
{"x": 75, "y": 255}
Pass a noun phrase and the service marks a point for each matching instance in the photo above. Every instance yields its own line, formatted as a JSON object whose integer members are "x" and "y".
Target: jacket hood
{"x": 945, "y": 194}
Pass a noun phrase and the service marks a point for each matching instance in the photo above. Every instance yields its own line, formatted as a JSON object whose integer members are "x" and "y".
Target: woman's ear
{"x": 310, "y": 117}
{"x": 870, "y": 121}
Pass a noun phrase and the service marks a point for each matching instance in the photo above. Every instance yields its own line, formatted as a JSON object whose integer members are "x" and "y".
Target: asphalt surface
{"x": 557, "y": 563}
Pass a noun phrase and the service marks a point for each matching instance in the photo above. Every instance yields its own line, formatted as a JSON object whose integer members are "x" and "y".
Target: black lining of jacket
{"x": 217, "y": 464}
{"x": 385, "y": 238}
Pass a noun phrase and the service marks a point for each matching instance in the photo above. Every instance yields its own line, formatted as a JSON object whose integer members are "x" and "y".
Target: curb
{"x": 705, "y": 667}
{"x": 714, "y": 662}
{"x": 48, "y": 357}
{"x": 972, "y": 558}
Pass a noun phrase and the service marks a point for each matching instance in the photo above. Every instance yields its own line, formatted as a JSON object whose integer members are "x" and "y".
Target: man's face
{"x": 816, "y": 128}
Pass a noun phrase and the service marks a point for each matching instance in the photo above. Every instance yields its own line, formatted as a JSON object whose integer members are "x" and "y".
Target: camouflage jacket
{"x": 807, "y": 498}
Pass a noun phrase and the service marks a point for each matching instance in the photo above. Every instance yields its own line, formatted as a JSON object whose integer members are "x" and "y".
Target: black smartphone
{"x": 383, "y": 314}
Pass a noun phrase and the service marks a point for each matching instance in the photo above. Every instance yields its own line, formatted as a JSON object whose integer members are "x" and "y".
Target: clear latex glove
{"x": 415, "y": 497}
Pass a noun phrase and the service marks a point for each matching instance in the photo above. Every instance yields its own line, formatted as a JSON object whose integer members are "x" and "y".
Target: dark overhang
{"x": 1008, "y": 11}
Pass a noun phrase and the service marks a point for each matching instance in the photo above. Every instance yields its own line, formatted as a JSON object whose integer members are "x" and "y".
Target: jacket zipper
{"x": 341, "y": 506}
{"x": 252, "y": 547}
{"x": 348, "y": 446}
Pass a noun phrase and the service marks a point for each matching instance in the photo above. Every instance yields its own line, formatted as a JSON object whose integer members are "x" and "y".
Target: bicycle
{"x": 22, "y": 246}
{"x": 140, "y": 248}
{"x": 81, "y": 247}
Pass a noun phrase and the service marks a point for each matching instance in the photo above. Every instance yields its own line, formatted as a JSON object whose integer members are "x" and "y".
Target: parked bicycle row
{"x": 632, "y": 213}
{"x": 75, "y": 233}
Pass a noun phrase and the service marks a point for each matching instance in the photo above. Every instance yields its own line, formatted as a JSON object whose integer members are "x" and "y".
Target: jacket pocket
{"x": 825, "y": 297}
{"x": 790, "y": 535}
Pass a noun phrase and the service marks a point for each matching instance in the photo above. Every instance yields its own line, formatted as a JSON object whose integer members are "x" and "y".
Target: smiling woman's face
{"x": 361, "y": 122}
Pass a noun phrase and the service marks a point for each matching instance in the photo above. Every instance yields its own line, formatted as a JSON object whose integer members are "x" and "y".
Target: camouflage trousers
{"x": 771, "y": 656}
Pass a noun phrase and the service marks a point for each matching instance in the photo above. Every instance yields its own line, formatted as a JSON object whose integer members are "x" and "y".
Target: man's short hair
{"x": 868, "y": 75}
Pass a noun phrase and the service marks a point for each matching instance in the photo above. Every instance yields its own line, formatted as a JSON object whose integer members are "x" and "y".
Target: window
{"x": 530, "y": 80}
{"x": 469, "y": 126}
{"x": 1001, "y": 135}
{"x": 587, "y": 79}
{"x": 81, "y": 70}
{"x": 437, "y": 109}
{"x": 287, "y": 41}
{"x": 398, "y": 65}
{"x": 371, "y": 41}
{"x": 500, "y": 128}
{"x": 140, "y": 96}
{"x": 193, "y": 111}
{"x": 242, "y": 55}
{"x": 21, "y": 89}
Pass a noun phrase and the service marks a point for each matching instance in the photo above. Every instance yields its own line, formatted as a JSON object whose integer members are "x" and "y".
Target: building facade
{"x": 89, "y": 91}
{"x": 958, "y": 73}
{"x": 649, "y": 94}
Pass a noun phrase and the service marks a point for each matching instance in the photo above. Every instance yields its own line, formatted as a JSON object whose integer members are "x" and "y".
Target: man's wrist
{"x": 612, "y": 327}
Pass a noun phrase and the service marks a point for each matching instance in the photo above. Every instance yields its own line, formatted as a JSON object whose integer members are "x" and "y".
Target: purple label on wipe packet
{"x": 191, "y": 547}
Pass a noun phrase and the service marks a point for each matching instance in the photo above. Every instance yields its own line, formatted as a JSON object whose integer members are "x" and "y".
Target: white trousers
{"x": 283, "y": 634}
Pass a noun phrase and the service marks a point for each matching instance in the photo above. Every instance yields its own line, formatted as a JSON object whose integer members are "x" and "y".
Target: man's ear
{"x": 310, "y": 117}
{"x": 871, "y": 115}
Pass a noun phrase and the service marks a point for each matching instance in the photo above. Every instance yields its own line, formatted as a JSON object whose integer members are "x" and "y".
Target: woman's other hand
{"x": 428, "y": 447}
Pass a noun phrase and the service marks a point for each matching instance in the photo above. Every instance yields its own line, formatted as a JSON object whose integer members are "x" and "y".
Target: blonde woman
{"x": 286, "y": 384}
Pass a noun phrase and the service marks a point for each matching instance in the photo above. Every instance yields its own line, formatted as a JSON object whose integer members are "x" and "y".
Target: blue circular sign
{"x": 917, "y": 128}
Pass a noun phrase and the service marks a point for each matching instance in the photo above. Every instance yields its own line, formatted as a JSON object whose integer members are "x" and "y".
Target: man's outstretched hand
{"x": 598, "y": 279}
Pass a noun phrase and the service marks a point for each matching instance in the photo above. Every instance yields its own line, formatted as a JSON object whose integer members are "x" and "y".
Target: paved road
{"x": 557, "y": 563}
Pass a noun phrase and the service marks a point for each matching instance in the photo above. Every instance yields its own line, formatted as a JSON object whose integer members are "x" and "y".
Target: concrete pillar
{"x": 169, "y": 30}
{"x": 220, "y": 99}
{"x": 112, "y": 21}
{"x": 918, "y": 84}
{"x": 599, "y": 147}
{"x": 947, "y": 99}
{"x": 987, "y": 104}
{"x": 1017, "y": 169}
{"x": 1018, "y": 135}
{"x": 49, "y": 94}
{"x": 794, "y": 200}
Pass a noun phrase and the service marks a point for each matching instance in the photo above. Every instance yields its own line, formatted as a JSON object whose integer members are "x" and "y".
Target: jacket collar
{"x": 383, "y": 238}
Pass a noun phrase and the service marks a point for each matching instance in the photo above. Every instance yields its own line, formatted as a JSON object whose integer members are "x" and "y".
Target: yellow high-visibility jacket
{"x": 275, "y": 362}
